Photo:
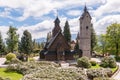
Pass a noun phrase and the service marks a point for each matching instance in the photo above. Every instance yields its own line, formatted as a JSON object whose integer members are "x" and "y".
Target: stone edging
{"x": 116, "y": 72}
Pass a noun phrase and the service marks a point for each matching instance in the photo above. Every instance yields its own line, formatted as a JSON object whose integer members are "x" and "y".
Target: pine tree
{"x": 26, "y": 43}
{"x": 2, "y": 45}
{"x": 66, "y": 32}
{"x": 76, "y": 46}
{"x": 93, "y": 39}
{"x": 35, "y": 46}
{"x": 12, "y": 39}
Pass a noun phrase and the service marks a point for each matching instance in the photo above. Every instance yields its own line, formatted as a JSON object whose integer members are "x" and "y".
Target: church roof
{"x": 57, "y": 20}
{"x": 85, "y": 12}
{"x": 51, "y": 41}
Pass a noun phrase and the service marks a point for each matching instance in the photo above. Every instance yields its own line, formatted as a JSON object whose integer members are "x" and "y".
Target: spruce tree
{"x": 26, "y": 43}
{"x": 12, "y": 39}
{"x": 66, "y": 32}
{"x": 2, "y": 45}
{"x": 76, "y": 48}
{"x": 93, "y": 39}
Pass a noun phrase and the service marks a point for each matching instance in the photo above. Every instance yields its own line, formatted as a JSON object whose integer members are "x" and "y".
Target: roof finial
{"x": 85, "y": 8}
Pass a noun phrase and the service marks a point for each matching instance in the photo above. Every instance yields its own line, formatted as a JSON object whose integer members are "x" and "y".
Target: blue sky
{"x": 37, "y": 16}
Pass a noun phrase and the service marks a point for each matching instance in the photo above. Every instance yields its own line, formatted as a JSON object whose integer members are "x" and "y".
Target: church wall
{"x": 50, "y": 57}
{"x": 69, "y": 56}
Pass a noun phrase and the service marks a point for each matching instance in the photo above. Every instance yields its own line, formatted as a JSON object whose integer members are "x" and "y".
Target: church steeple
{"x": 85, "y": 8}
{"x": 57, "y": 21}
{"x": 86, "y": 12}
{"x": 85, "y": 33}
{"x": 57, "y": 28}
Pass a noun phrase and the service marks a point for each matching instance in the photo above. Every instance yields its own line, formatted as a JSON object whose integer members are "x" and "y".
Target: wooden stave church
{"x": 57, "y": 48}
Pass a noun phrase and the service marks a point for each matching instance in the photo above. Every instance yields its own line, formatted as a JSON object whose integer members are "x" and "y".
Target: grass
{"x": 11, "y": 75}
{"x": 114, "y": 69}
{"x": 95, "y": 67}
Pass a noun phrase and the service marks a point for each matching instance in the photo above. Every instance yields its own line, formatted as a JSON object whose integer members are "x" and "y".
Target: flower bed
{"x": 47, "y": 71}
{"x": 44, "y": 70}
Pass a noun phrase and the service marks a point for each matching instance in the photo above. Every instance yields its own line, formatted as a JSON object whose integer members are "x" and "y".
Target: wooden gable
{"x": 59, "y": 41}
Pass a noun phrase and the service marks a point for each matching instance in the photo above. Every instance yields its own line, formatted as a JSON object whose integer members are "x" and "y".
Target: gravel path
{"x": 116, "y": 76}
{"x": 2, "y": 60}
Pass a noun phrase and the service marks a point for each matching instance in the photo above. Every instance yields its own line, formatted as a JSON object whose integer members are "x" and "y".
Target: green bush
{"x": 117, "y": 58}
{"x": 83, "y": 62}
{"x": 7, "y": 62}
{"x": 10, "y": 56}
{"x": 93, "y": 63}
{"x": 108, "y": 62}
{"x": 15, "y": 61}
{"x": 112, "y": 63}
{"x": 93, "y": 73}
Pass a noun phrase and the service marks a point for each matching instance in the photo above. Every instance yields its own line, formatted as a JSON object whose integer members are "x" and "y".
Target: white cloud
{"x": 5, "y": 13}
{"x": 74, "y": 25}
{"x": 38, "y": 30}
{"x": 3, "y": 30}
{"x": 74, "y": 13}
{"x": 100, "y": 25}
{"x": 111, "y": 6}
{"x": 38, "y": 8}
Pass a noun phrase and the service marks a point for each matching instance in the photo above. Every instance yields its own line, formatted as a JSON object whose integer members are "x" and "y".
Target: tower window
{"x": 86, "y": 27}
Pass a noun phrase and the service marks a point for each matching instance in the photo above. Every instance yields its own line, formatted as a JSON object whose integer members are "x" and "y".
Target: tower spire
{"x": 57, "y": 21}
{"x": 57, "y": 27}
{"x": 85, "y": 8}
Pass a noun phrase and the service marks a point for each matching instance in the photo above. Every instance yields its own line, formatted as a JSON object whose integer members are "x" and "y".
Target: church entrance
{"x": 60, "y": 54}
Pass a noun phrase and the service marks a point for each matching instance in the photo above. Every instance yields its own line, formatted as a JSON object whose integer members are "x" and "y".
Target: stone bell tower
{"x": 85, "y": 33}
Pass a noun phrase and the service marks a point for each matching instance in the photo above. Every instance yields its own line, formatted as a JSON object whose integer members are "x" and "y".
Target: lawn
{"x": 11, "y": 75}
{"x": 95, "y": 67}
{"x": 114, "y": 69}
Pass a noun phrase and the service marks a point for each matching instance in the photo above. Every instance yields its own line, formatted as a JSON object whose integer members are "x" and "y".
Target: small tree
{"x": 12, "y": 39}
{"x": 26, "y": 44}
{"x": 108, "y": 62}
{"x": 113, "y": 37}
{"x": 84, "y": 62}
{"x": 76, "y": 48}
{"x": 93, "y": 39}
{"x": 2, "y": 45}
